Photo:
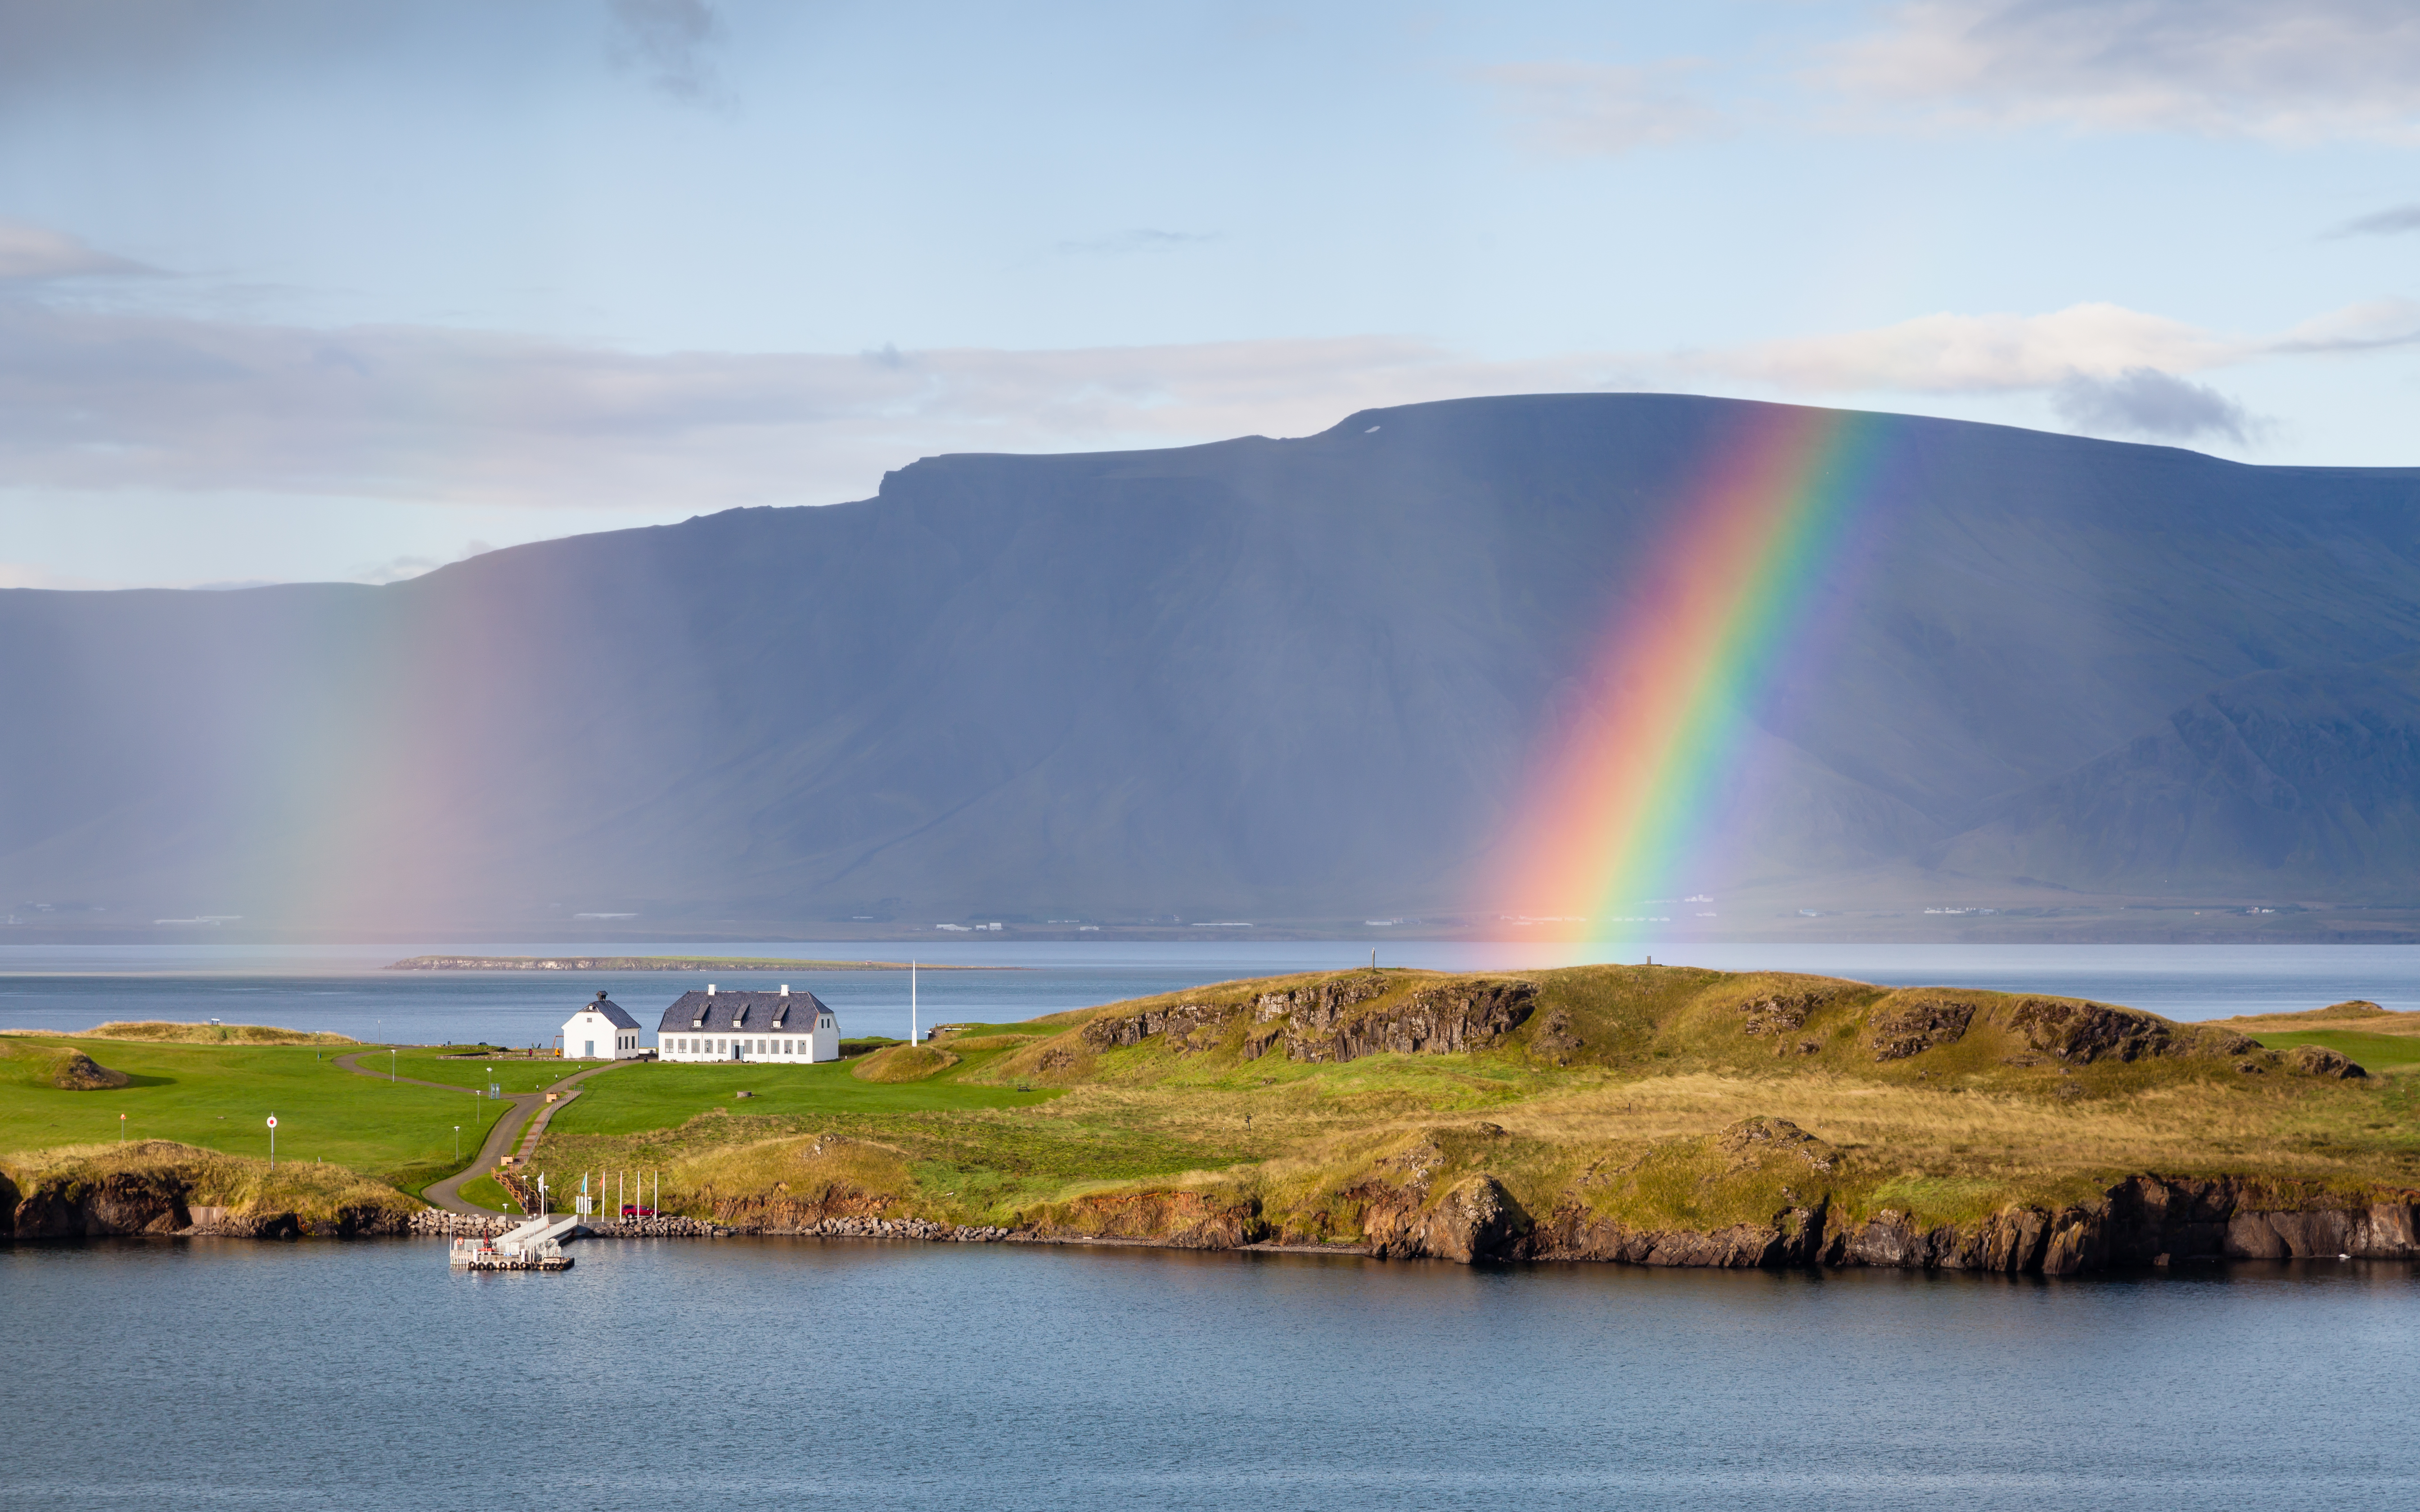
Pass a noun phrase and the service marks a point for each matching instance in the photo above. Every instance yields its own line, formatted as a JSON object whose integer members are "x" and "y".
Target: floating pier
{"x": 536, "y": 1245}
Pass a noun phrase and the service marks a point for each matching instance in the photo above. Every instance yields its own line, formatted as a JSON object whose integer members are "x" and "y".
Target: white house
{"x": 784, "y": 1028}
{"x": 602, "y": 1031}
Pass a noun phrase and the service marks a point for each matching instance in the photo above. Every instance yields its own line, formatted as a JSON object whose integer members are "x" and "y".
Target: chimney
{"x": 785, "y": 989}
{"x": 709, "y": 989}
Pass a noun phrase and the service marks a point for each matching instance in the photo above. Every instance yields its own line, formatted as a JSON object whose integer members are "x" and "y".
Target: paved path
{"x": 447, "y": 1194}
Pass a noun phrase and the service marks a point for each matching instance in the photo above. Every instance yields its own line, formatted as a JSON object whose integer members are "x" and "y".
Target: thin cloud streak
{"x": 1601, "y": 109}
{"x": 2383, "y": 224}
{"x": 30, "y": 253}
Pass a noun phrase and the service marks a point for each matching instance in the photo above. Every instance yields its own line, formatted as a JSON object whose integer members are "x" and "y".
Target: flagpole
{"x": 912, "y": 1002}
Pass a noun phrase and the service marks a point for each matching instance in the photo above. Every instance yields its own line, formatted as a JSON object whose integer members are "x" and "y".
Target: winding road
{"x": 502, "y": 1136}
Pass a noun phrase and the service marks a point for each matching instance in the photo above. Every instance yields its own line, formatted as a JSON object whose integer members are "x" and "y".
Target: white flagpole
{"x": 912, "y": 1002}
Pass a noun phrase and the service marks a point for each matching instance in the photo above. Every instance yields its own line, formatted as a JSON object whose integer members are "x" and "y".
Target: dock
{"x": 536, "y": 1245}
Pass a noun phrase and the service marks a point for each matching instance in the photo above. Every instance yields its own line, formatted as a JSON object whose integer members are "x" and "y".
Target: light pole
{"x": 272, "y": 1141}
{"x": 390, "y": 1065}
{"x": 458, "y": 1142}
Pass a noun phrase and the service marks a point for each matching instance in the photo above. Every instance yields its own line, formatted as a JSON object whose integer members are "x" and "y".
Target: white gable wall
{"x": 592, "y": 1036}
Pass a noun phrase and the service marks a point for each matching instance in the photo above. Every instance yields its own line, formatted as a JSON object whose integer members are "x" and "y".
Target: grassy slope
{"x": 162, "y": 1030}
{"x": 311, "y": 1191}
{"x": 217, "y": 1097}
{"x": 1630, "y": 1127}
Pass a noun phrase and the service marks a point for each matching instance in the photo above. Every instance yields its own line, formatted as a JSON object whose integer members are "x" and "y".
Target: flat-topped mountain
{"x": 1308, "y": 678}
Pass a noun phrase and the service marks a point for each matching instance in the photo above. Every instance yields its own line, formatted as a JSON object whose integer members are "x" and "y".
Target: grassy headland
{"x": 1666, "y": 1113}
{"x": 1338, "y": 1109}
{"x": 218, "y": 1097}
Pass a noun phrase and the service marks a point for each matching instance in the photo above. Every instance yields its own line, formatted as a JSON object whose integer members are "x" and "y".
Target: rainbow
{"x": 1617, "y": 817}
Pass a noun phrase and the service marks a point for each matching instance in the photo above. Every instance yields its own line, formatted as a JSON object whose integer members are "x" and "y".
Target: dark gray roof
{"x": 766, "y": 1014}
{"x": 613, "y": 1012}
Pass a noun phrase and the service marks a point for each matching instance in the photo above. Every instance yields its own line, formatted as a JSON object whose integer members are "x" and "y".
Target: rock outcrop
{"x": 2142, "y": 1221}
{"x": 2081, "y": 1033}
{"x": 1907, "y": 1029}
{"x": 79, "y": 1072}
{"x": 1179, "y": 1022}
{"x": 1329, "y": 1020}
{"x": 1441, "y": 1019}
{"x": 2318, "y": 1060}
{"x": 1476, "y": 1219}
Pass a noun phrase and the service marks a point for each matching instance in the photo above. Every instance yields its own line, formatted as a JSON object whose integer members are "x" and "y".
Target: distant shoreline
{"x": 652, "y": 962}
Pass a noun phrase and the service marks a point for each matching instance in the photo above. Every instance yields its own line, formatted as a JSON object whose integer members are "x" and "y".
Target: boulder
{"x": 1907, "y": 1029}
{"x": 78, "y": 1072}
{"x": 2318, "y": 1060}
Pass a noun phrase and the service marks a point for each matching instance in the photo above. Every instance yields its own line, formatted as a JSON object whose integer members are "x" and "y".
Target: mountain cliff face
{"x": 1257, "y": 679}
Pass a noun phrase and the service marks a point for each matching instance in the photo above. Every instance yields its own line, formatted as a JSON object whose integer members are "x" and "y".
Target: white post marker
{"x": 272, "y": 1141}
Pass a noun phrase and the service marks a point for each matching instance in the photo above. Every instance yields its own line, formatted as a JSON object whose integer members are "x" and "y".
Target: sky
{"x": 317, "y": 290}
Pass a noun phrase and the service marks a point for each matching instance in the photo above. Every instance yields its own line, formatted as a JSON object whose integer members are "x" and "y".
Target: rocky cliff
{"x": 160, "y": 1187}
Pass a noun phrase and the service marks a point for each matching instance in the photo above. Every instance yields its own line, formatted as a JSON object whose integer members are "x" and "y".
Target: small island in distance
{"x": 655, "y": 963}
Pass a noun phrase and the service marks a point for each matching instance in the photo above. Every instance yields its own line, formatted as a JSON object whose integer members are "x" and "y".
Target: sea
{"x": 797, "y": 1373}
{"x": 779, "y": 1373}
{"x": 346, "y": 989}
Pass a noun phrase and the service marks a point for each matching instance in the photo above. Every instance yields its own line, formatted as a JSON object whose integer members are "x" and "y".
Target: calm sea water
{"x": 773, "y": 1374}
{"x": 341, "y": 988}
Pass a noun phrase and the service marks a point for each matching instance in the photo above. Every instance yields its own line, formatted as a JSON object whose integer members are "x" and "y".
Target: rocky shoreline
{"x": 2141, "y": 1222}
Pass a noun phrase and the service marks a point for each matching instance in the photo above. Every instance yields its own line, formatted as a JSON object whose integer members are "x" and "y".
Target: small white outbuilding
{"x": 602, "y": 1031}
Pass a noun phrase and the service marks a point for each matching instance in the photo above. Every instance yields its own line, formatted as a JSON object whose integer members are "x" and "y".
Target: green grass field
{"x": 646, "y": 1095}
{"x": 484, "y": 1192}
{"x": 220, "y": 1097}
{"x": 515, "y": 1073}
{"x": 2373, "y": 1053}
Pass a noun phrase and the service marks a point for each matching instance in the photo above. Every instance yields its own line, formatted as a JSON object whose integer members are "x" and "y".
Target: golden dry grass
{"x": 210, "y": 1178}
{"x": 1616, "y": 1096}
{"x": 903, "y": 1063}
{"x": 161, "y": 1031}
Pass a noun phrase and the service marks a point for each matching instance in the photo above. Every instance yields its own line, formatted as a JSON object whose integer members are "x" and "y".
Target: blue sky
{"x": 312, "y": 290}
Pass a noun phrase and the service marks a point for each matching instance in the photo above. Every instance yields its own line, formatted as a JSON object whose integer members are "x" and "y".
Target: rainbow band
{"x": 1694, "y": 654}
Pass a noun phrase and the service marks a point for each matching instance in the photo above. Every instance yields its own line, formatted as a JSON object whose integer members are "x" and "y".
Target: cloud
{"x": 1142, "y": 238}
{"x": 2012, "y": 353}
{"x": 31, "y": 252}
{"x": 2143, "y": 401}
{"x": 2382, "y": 224}
{"x": 2372, "y": 326}
{"x": 1977, "y": 353}
{"x": 1600, "y": 109}
{"x": 113, "y": 399}
{"x": 665, "y": 39}
{"x": 2298, "y": 72}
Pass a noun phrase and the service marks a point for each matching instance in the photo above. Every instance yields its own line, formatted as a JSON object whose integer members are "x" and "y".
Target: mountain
{"x": 1259, "y": 679}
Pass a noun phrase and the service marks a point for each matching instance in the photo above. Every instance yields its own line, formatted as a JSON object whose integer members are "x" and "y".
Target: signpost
{"x": 272, "y": 1141}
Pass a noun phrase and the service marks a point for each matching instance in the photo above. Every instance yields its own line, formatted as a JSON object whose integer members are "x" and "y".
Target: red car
{"x": 633, "y": 1210}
